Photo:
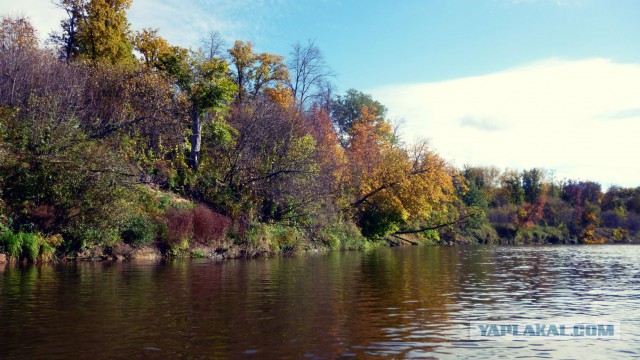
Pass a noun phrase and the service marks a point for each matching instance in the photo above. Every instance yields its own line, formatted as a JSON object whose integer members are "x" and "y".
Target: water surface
{"x": 412, "y": 302}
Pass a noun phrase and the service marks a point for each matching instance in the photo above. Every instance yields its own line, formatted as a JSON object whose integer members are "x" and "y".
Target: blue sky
{"x": 514, "y": 83}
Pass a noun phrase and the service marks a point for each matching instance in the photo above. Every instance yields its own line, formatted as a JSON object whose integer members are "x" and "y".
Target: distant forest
{"x": 112, "y": 139}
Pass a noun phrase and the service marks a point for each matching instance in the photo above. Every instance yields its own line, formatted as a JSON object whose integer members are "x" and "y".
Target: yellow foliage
{"x": 594, "y": 240}
{"x": 281, "y": 95}
{"x": 55, "y": 240}
{"x": 150, "y": 45}
{"x": 415, "y": 184}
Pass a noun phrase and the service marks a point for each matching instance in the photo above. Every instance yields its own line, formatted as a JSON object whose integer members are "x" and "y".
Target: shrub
{"x": 542, "y": 235}
{"x": 485, "y": 234}
{"x": 209, "y": 227}
{"x": 503, "y": 215}
{"x": 346, "y": 236}
{"x": 263, "y": 238}
{"x": 256, "y": 239}
{"x": 633, "y": 222}
{"x": 44, "y": 216}
{"x": 198, "y": 254}
{"x": 619, "y": 234}
{"x": 179, "y": 229}
{"x": 612, "y": 219}
{"x": 139, "y": 230}
{"x": 504, "y": 231}
{"x": 46, "y": 251}
{"x": 287, "y": 240}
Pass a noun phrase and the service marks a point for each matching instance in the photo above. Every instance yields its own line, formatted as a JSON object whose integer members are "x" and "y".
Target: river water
{"x": 410, "y": 302}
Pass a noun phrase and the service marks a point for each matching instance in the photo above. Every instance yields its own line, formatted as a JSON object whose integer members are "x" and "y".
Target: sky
{"x": 517, "y": 84}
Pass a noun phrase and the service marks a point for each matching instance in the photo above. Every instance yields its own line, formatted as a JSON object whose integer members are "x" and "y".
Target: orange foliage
{"x": 412, "y": 183}
{"x": 281, "y": 96}
{"x": 529, "y": 214}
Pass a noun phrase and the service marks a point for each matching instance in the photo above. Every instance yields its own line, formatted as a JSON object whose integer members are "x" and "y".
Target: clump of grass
{"x": 11, "y": 243}
{"x": 28, "y": 246}
{"x": 198, "y": 254}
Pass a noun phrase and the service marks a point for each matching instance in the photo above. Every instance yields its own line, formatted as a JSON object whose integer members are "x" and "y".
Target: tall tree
{"x": 150, "y": 45}
{"x": 67, "y": 39}
{"x": 255, "y": 71}
{"x": 54, "y": 178}
{"x": 213, "y": 45}
{"x": 17, "y": 33}
{"x": 97, "y": 30}
{"x": 18, "y": 56}
{"x": 393, "y": 190}
{"x": 346, "y": 110}
{"x": 512, "y": 187}
{"x": 204, "y": 82}
{"x": 532, "y": 185}
{"x": 309, "y": 73}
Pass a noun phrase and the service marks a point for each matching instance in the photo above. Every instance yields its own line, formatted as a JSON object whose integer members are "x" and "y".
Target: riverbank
{"x": 159, "y": 251}
{"x": 259, "y": 240}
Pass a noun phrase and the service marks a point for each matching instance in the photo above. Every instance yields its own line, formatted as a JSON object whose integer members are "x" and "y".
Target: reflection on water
{"x": 395, "y": 303}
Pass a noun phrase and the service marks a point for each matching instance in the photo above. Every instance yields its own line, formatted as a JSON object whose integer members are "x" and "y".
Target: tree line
{"x": 110, "y": 136}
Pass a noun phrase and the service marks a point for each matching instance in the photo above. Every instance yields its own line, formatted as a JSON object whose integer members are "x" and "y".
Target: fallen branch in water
{"x": 457, "y": 221}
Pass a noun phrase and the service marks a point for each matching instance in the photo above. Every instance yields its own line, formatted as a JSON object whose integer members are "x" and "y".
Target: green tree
{"x": 204, "y": 82}
{"x": 67, "y": 39}
{"x": 512, "y": 186}
{"x": 97, "y": 30}
{"x": 346, "y": 110}
{"x": 532, "y": 185}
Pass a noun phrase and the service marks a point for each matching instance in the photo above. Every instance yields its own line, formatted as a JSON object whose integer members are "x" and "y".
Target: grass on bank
{"x": 27, "y": 246}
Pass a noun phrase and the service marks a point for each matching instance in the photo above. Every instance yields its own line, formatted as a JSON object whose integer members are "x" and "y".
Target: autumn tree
{"x": 19, "y": 54}
{"x": 151, "y": 46}
{"x": 96, "y": 30}
{"x": 578, "y": 193}
{"x": 265, "y": 167}
{"x": 483, "y": 177}
{"x": 254, "y": 72}
{"x": 511, "y": 184}
{"x": 17, "y": 33}
{"x": 330, "y": 156}
{"x": 529, "y": 214}
{"x": 394, "y": 190}
{"x": 346, "y": 110}
{"x": 55, "y": 179}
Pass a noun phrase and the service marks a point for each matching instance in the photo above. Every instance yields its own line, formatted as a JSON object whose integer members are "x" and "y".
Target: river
{"x": 409, "y": 302}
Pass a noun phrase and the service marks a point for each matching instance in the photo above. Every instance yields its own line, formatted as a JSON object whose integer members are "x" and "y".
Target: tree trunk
{"x": 196, "y": 138}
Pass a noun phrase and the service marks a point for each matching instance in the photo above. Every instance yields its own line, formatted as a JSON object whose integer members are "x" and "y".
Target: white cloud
{"x": 44, "y": 15}
{"x": 579, "y": 118}
{"x": 186, "y": 22}
{"x": 183, "y": 23}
